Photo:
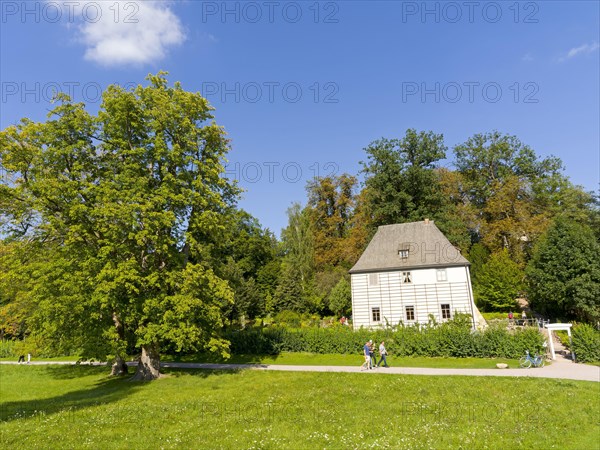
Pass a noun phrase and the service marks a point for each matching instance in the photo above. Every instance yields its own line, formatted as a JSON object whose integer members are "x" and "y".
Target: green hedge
{"x": 586, "y": 343}
{"x": 450, "y": 339}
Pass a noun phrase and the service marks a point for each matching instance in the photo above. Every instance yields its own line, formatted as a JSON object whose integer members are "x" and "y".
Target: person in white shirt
{"x": 382, "y": 354}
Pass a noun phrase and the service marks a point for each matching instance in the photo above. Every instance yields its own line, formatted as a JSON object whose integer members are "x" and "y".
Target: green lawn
{"x": 80, "y": 407}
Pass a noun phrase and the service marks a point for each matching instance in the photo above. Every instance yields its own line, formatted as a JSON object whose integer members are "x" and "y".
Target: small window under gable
{"x": 406, "y": 277}
{"x": 376, "y": 312}
{"x": 441, "y": 275}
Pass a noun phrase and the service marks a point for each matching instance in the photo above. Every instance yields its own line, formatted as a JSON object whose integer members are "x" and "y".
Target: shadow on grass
{"x": 215, "y": 359}
{"x": 105, "y": 391}
{"x": 72, "y": 371}
{"x": 201, "y": 373}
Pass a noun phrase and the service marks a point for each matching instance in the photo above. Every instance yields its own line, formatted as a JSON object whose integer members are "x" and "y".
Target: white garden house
{"x": 408, "y": 272}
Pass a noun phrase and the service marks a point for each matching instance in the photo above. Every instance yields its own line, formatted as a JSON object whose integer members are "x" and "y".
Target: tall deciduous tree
{"x": 401, "y": 184}
{"x": 330, "y": 208}
{"x": 127, "y": 200}
{"x": 298, "y": 243}
{"x": 564, "y": 272}
{"x": 515, "y": 193}
{"x": 487, "y": 160}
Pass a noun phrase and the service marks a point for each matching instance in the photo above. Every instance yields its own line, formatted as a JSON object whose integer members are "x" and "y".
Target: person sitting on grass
{"x": 367, "y": 363}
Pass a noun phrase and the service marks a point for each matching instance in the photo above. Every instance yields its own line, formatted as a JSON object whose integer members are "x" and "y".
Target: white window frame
{"x": 406, "y": 276}
{"x": 412, "y": 310}
{"x": 442, "y": 309}
{"x": 374, "y": 310}
{"x": 441, "y": 275}
{"x": 403, "y": 253}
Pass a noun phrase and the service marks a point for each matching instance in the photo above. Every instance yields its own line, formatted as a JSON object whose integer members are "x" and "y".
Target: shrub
{"x": 7, "y": 349}
{"x": 450, "y": 339}
{"x": 288, "y": 318}
{"x": 586, "y": 343}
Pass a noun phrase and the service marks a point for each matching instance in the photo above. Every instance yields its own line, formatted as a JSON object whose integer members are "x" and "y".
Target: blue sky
{"x": 303, "y": 87}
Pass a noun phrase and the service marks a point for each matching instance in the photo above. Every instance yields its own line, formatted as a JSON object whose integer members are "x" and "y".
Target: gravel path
{"x": 561, "y": 368}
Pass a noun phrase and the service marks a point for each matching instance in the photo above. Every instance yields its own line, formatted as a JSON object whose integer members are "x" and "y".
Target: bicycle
{"x": 527, "y": 361}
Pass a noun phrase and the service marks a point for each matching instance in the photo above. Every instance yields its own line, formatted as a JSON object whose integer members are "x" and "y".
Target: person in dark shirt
{"x": 372, "y": 357}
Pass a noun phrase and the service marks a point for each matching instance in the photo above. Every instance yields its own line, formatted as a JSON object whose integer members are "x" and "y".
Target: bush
{"x": 586, "y": 343}
{"x": 450, "y": 339}
{"x": 7, "y": 349}
{"x": 288, "y": 318}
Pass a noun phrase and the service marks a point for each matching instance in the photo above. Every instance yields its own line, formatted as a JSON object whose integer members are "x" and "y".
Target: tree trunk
{"x": 119, "y": 367}
{"x": 148, "y": 368}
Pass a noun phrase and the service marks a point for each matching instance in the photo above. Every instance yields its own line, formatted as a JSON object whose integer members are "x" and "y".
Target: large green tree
{"x": 401, "y": 184}
{"x": 513, "y": 193}
{"x": 564, "y": 272}
{"x": 127, "y": 204}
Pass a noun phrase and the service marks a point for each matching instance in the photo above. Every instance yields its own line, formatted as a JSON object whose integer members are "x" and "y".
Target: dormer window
{"x": 403, "y": 253}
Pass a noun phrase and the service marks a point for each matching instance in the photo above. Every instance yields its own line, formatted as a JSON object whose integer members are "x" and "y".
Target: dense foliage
{"x": 564, "y": 273}
{"x": 111, "y": 220}
{"x": 499, "y": 283}
{"x": 452, "y": 339}
{"x": 586, "y": 343}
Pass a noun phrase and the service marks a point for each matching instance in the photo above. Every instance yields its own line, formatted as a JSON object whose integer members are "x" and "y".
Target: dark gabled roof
{"x": 426, "y": 244}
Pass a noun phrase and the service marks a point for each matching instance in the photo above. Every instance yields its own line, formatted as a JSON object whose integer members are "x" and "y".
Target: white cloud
{"x": 581, "y": 50}
{"x": 527, "y": 57}
{"x": 130, "y": 33}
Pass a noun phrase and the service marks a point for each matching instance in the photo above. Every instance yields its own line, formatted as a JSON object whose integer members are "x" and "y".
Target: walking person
{"x": 382, "y": 354}
{"x": 372, "y": 354}
{"x": 367, "y": 362}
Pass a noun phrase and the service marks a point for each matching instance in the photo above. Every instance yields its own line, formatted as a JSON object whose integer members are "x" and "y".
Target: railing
{"x": 529, "y": 322}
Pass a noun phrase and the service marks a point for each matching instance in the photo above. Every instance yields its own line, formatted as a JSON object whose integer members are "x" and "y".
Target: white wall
{"x": 425, "y": 294}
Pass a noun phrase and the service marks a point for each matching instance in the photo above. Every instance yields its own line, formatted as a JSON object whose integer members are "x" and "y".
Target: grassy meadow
{"x": 81, "y": 407}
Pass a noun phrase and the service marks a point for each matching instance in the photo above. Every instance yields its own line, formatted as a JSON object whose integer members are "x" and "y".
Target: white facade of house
{"x": 380, "y": 298}
{"x": 405, "y": 275}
